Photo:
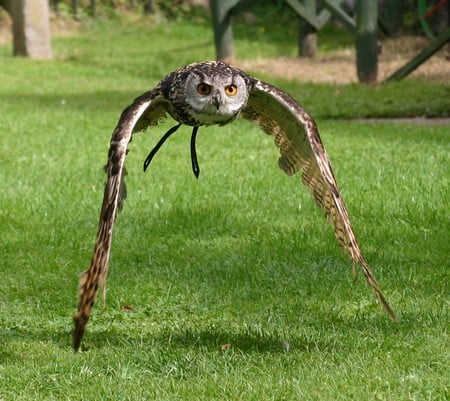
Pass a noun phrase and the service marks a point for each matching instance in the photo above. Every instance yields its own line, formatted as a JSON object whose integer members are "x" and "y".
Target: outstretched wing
{"x": 146, "y": 110}
{"x": 301, "y": 148}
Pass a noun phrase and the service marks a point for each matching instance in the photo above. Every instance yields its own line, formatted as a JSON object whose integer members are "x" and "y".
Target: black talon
{"x": 158, "y": 145}
{"x": 195, "y": 166}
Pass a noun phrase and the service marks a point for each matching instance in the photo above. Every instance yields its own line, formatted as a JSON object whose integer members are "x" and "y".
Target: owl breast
{"x": 210, "y": 115}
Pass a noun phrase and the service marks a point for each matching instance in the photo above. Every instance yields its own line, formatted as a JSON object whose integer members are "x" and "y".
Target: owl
{"x": 209, "y": 93}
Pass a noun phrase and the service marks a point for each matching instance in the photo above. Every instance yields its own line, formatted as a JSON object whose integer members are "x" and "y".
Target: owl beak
{"x": 217, "y": 100}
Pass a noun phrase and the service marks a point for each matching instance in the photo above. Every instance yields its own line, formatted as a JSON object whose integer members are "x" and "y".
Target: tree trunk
{"x": 31, "y": 28}
{"x": 149, "y": 7}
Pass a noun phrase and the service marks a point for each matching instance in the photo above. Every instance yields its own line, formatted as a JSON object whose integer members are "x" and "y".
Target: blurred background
{"x": 319, "y": 41}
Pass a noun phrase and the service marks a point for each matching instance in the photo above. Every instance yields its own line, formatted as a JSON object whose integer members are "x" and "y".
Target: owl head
{"x": 216, "y": 93}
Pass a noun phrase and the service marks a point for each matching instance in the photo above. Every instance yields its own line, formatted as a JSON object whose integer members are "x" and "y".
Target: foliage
{"x": 169, "y": 8}
{"x": 230, "y": 287}
{"x": 180, "y": 9}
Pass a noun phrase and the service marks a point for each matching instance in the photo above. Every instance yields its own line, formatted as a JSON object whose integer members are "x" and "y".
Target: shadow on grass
{"x": 319, "y": 334}
{"x": 213, "y": 340}
{"x": 323, "y": 334}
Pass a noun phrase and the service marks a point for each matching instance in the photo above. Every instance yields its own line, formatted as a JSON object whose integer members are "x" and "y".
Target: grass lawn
{"x": 231, "y": 287}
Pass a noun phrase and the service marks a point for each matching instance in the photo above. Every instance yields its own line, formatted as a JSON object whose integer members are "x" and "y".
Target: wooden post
{"x": 31, "y": 28}
{"x": 223, "y": 33}
{"x": 366, "y": 41}
{"x": 55, "y": 5}
{"x": 93, "y": 8}
{"x": 75, "y": 8}
{"x": 149, "y": 7}
{"x": 307, "y": 40}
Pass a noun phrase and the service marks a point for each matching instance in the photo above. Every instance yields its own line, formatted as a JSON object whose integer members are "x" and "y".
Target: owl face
{"x": 215, "y": 98}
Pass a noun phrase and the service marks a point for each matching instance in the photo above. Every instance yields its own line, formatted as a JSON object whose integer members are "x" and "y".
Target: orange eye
{"x": 203, "y": 89}
{"x": 231, "y": 90}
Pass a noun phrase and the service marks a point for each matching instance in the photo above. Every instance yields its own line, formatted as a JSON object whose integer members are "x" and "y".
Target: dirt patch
{"x": 339, "y": 67}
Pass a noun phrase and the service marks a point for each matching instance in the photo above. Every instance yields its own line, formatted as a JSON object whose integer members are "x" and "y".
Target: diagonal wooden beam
{"x": 421, "y": 57}
{"x": 308, "y": 11}
{"x": 334, "y": 8}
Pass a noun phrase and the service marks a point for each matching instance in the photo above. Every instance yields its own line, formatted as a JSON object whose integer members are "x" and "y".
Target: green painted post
{"x": 223, "y": 33}
{"x": 366, "y": 41}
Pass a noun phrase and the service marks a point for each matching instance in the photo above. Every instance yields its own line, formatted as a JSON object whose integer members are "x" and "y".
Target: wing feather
{"x": 146, "y": 110}
{"x": 301, "y": 149}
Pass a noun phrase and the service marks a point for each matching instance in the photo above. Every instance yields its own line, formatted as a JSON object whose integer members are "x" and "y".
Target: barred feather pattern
{"x": 114, "y": 194}
{"x": 297, "y": 137}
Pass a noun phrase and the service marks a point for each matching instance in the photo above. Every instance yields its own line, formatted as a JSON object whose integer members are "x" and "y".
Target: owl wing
{"x": 146, "y": 110}
{"x": 297, "y": 137}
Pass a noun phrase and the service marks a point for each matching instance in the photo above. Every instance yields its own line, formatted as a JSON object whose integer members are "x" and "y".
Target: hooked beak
{"x": 217, "y": 100}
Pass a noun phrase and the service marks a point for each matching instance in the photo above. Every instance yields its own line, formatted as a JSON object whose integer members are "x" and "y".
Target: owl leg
{"x": 195, "y": 166}
{"x": 158, "y": 146}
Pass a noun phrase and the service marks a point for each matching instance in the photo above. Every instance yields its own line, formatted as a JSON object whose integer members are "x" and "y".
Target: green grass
{"x": 239, "y": 257}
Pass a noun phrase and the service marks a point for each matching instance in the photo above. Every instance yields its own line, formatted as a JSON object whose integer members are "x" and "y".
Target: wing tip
{"x": 386, "y": 306}
{"x": 78, "y": 332}
{"x": 375, "y": 286}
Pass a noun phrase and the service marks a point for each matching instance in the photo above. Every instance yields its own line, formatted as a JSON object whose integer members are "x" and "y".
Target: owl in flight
{"x": 210, "y": 93}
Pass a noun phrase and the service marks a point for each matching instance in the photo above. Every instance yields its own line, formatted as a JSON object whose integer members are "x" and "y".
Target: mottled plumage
{"x": 216, "y": 93}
